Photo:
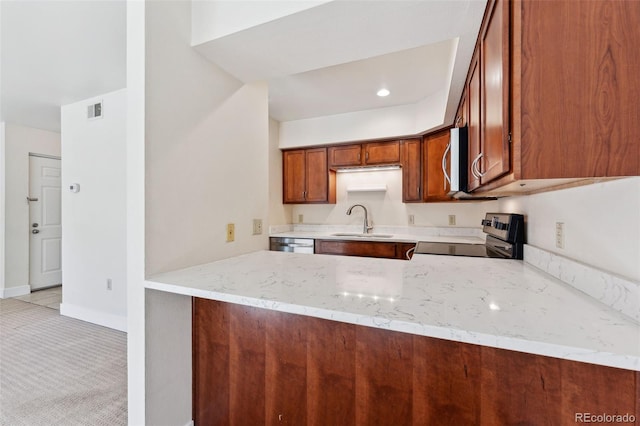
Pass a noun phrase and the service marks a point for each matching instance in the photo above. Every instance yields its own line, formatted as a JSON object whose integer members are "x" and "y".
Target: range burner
{"x": 505, "y": 239}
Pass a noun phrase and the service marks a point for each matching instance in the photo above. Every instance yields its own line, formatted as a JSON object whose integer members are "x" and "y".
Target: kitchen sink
{"x": 355, "y": 234}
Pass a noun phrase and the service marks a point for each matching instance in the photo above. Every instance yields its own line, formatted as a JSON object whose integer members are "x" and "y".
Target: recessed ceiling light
{"x": 383, "y": 92}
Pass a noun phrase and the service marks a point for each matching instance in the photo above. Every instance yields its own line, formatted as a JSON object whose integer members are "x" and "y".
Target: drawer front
{"x": 357, "y": 248}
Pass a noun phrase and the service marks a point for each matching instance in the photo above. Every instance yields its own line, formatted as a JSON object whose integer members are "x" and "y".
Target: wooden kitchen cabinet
{"x": 258, "y": 366}
{"x": 345, "y": 156}
{"x": 435, "y": 186}
{"x": 381, "y": 153}
{"x": 487, "y": 99}
{"x": 366, "y": 154}
{"x": 306, "y": 177}
{"x": 473, "y": 121}
{"x": 382, "y": 249}
{"x": 411, "y": 161}
{"x": 555, "y": 113}
{"x": 577, "y": 114}
{"x": 463, "y": 110}
{"x": 493, "y": 160}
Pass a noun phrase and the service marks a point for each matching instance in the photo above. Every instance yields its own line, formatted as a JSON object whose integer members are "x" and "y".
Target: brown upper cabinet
{"x": 366, "y": 154}
{"x": 306, "y": 177}
{"x": 552, "y": 94}
{"x": 473, "y": 121}
{"x": 487, "y": 96}
{"x": 435, "y": 186}
{"x": 411, "y": 160}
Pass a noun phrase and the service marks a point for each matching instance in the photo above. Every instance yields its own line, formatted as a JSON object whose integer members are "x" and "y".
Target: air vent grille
{"x": 94, "y": 111}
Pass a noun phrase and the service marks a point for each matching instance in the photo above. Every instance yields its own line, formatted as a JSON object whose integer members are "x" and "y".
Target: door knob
{"x": 35, "y": 225}
{"x": 35, "y": 231}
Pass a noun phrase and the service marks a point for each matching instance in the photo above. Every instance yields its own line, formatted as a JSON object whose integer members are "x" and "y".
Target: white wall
{"x": 215, "y": 19}
{"x": 168, "y": 343}
{"x": 387, "y": 208}
{"x": 135, "y": 212}
{"x": 390, "y": 122}
{"x": 279, "y": 214}
{"x": 207, "y": 148}
{"x": 207, "y": 164}
{"x": 2, "y": 197}
{"x": 601, "y": 223}
{"x": 94, "y": 219}
{"x": 19, "y": 142}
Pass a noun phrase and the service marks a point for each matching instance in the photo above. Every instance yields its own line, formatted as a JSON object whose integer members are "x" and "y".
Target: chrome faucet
{"x": 365, "y": 228}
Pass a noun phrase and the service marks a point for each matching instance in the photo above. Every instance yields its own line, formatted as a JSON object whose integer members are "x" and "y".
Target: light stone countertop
{"x": 398, "y": 234}
{"x": 409, "y": 238}
{"x": 493, "y": 302}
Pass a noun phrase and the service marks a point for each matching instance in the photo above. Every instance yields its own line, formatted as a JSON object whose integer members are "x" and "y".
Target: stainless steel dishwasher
{"x": 292, "y": 245}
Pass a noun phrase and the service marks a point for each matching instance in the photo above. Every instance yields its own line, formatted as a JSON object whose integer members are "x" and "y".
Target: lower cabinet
{"x": 256, "y": 366}
{"x": 390, "y": 250}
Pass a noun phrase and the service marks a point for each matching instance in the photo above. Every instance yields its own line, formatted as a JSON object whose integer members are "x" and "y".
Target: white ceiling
{"x": 325, "y": 60}
{"x": 410, "y": 75}
{"x": 333, "y": 57}
{"x": 59, "y": 52}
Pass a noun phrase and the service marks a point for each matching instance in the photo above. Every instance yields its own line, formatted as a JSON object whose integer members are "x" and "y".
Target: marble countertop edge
{"x": 519, "y": 344}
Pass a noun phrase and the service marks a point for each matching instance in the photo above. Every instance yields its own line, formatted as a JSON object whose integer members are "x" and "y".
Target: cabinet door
{"x": 435, "y": 185}
{"x": 345, "y": 155}
{"x": 461, "y": 115}
{"x": 494, "y": 76}
{"x": 381, "y": 153}
{"x": 473, "y": 120}
{"x": 381, "y": 249}
{"x": 317, "y": 175}
{"x": 294, "y": 176}
{"x": 411, "y": 153}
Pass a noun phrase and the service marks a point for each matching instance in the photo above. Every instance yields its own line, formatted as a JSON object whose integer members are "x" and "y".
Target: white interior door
{"x": 45, "y": 230}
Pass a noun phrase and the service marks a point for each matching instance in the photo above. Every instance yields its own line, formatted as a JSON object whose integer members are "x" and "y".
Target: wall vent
{"x": 94, "y": 111}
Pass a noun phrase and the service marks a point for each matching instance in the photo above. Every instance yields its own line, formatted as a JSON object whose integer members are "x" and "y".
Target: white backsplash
{"x": 620, "y": 294}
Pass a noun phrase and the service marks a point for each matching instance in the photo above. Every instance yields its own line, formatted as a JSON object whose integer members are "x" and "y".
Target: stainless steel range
{"x": 505, "y": 238}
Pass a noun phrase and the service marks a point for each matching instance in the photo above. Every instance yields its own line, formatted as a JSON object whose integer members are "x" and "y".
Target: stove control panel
{"x": 505, "y": 226}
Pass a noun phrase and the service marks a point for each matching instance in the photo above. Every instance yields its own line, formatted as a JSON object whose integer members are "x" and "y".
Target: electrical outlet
{"x": 412, "y": 219}
{"x": 231, "y": 232}
{"x": 300, "y": 218}
{"x": 560, "y": 235}
{"x": 257, "y": 226}
{"x": 452, "y": 220}
{"x": 109, "y": 284}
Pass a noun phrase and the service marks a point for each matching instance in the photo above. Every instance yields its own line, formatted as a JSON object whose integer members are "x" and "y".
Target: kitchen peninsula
{"x": 427, "y": 334}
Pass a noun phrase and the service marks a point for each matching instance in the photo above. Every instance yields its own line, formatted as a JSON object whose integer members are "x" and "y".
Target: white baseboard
{"x": 5, "y": 293}
{"x": 190, "y": 423}
{"x": 116, "y": 322}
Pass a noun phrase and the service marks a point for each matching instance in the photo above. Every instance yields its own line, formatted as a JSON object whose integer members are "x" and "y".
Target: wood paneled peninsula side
{"x": 301, "y": 338}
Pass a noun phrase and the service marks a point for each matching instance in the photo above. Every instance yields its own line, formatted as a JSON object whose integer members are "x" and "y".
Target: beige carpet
{"x": 55, "y": 370}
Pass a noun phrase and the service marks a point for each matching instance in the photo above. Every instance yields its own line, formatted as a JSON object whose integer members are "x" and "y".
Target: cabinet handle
{"x": 359, "y": 156}
{"x": 366, "y": 156}
{"x": 476, "y": 168}
{"x": 447, "y": 178}
{"x": 304, "y": 195}
{"x": 408, "y": 253}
